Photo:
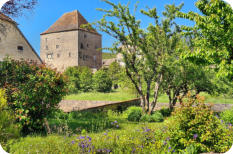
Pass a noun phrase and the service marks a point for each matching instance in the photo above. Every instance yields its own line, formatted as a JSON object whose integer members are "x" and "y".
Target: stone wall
{"x": 14, "y": 44}
{"x": 72, "y": 105}
{"x": 60, "y": 50}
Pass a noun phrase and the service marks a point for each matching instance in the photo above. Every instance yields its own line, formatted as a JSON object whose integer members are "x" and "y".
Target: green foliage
{"x": 76, "y": 122}
{"x": 227, "y": 116}
{"x": 144, "y": 51}
{"x": 134, "y": 113}
{"x": 107, "y": 55}
{"x": 73, "y": 79}
{"x": 115, "y": 73}
{"x": 9, "y": 129}
{"x": 155, "y": 117}
{"x": 85, "y": 79}
{"x": 211, "y": 35}
{"x": 102, "y": 81}
{"x": 194, "y": 123}
{"x": 33, "y": 91}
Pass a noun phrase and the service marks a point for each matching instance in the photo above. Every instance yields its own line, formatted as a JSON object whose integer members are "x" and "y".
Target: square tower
{"x": 66, "y": 43}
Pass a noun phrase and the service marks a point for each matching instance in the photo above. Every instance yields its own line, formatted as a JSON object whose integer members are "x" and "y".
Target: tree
{"x": 73, "y": 79}
{"x": 182, "y": 77}
{"x": 144, "y": 51}
{"x": 212, "y": 35}
{"x": 85, "y": 78}
{"x": 115, "y": 73}
{"x": 102, "y": 81}
{"x": 14, "y": 8}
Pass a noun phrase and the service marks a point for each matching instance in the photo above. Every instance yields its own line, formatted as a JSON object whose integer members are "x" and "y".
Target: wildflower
{"x": 195, "y": 136}
{"x": 115, "y": 121}
{"x": 173, "y": 151}
{"x": 169, "y": 147}
{"x": 82, "y": 137}
{"x": 117, "y": 126}
{"x": 164, "y": 143}
{"x": 133, "y": 151}
{"x": 112, "y": 123}
{"x": 168, "y": 138}
{"x": 105, "y": 134}
{"x": 72, "y": 142}
{"x": 230, "y": 125}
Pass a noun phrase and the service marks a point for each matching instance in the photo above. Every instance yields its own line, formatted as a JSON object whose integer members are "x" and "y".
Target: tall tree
{"x": 212, "y": 35}
{"x": 14, "y": 8}
{"x": 144, "y": 51}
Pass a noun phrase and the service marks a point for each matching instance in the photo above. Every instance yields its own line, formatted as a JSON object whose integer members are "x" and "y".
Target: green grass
{"x": 123, "y": 95}
{"x": 118, "y": 95}
{"x": 107, "y": 55}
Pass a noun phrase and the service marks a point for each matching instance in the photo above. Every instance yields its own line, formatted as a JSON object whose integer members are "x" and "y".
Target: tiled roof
{"x": 69, "y": 21}
{"x": 4, "y": 17}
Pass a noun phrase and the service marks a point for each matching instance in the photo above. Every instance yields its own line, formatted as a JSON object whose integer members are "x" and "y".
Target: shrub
{"x": 9, "y": 129}
{"x": 155, "y": 117}
{"x": 227, "y": 116}
{"x": 194, "y": 123}
{"x": 33, "y": 91}
{"x": 85, "y": 79}
{"x": 134, "y": 113}
{"x": 73, "y": 79}
{"x": 102, "y": 82}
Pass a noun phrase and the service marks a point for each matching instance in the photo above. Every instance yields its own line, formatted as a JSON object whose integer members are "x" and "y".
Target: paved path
{"x": 72, "y": 105}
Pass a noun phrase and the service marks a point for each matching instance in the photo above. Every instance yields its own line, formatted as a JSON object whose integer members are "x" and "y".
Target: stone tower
{"x": 66, "y": 43}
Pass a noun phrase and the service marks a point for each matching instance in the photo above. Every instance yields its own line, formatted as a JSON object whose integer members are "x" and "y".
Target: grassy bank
{"x": 123, "y": 95}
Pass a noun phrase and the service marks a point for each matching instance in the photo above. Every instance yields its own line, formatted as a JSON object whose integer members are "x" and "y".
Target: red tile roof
{"x": 4, "y": 17}
{"x": 69, "y": 21}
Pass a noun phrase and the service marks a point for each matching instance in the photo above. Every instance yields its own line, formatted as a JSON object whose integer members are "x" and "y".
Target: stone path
{"x": 72, "y": 105}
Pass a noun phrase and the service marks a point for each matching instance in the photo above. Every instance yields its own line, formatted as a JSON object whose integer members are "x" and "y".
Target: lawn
{"x": 123, "y": 95}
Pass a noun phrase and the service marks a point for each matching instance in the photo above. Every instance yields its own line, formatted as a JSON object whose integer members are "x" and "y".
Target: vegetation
{"x": 102, "y": 81}
{"x": 9, "y": 129}
{"x": 211, "y": 35}
{"x": 227, "y": 116}
{"x": 194, "y": 123}
{"x": 107, "y": 55}
{"x": 33, "y": 92}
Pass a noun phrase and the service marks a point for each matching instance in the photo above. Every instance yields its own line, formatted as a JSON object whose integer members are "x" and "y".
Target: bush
{"x": 73, "y": 79}
{"x": 85, "y": 79}
{"x": 102, "y": 82}
{"x": 194, "y": 123}
{"x": 9, "y": 129}
{"x": 34, "y": 92}
{"x": 155, "y": 117}
{"x": 134, "y": 113}
{"x": 227, "y": 116}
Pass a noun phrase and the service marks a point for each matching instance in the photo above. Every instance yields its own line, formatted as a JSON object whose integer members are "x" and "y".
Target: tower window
{"x": 20, "y": 48}
{"x": 69, "y": 54}
{"x": 85, "y": 35}
{"x": 47, "y": 48}
{"x": 57, "y": 46}
{"x": 58, "y": 55}
{"x": 81, "y": 46}
{"x": 50, "y": 56}
{"x": 87, "y": 45}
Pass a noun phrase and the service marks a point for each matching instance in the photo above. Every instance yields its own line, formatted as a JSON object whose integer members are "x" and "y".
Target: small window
{"x": 58, "y": 55}
{"x": 47, "y": 48}
{"x": 80, "y": 55}
{"x": 46, "y": 39}
{"x": 81, "y": 46}
{"x": 87, "y": 45}
{"x": 69, "y": 54}
{"x": 96, "y": 47}
{"x": 57, "y": 46}
{"x": 20, "y": 48}
{"x": 50, "y": 56}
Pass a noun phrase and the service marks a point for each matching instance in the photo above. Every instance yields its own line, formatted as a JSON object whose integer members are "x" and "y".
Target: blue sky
{"x": 46, "y": 12}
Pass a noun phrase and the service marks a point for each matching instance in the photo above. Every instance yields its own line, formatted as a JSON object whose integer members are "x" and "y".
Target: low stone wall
{"x": 72, "y": 105}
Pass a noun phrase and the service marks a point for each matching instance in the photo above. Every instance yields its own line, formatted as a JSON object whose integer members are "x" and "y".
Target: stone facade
{"x": 13, "y": 43}
{"x": 66, "y": 44}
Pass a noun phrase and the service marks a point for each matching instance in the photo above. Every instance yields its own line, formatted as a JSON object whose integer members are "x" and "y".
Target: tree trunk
{"x": 156, "y": 93}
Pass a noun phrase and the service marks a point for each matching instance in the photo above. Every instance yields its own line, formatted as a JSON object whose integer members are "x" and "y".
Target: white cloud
{"x": 230, "y": 2}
